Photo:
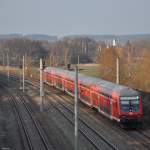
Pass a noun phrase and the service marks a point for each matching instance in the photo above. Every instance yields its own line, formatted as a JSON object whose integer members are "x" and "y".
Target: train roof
{"x": 105, "y": 86}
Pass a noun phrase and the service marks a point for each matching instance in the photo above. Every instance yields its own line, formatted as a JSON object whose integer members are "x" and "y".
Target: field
{"x": 90, "y": 69}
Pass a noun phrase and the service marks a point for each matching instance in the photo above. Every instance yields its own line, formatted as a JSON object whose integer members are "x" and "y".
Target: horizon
{"x": 84, "y": 34}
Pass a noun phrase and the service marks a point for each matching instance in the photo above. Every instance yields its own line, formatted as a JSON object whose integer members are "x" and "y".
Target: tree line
{"x": 134, "y": 57}
{"x": 134, "y": 62}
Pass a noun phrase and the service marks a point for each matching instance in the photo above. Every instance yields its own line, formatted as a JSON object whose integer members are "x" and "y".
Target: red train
{"x": 116, "y": 102}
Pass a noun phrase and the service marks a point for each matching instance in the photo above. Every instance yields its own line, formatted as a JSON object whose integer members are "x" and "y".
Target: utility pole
{"x": 117, "y": 70}
{"x": 8, "y": 66}
{"x": 20, "y": 75}
{"x": 25, "y": 62}
{"x": 41, "y": 86}
{"x": 50, "y": 60}
{"x": 76, "y": 109}
{"x": 78, "y": 62}
{"x": 129, "y": 60}
{"x": 3, "y": 59}
{"x": 23, "y": 73}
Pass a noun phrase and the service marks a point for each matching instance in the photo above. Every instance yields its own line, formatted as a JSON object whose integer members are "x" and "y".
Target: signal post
{"x": 76, "y": 110}
{"x": 41, "y": 85}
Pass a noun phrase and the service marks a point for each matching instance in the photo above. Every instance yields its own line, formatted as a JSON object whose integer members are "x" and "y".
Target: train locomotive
{"x": 120, "y": 103}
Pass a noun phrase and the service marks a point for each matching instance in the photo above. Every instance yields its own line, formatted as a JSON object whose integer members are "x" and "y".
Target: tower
{"x": 114, "y": 43}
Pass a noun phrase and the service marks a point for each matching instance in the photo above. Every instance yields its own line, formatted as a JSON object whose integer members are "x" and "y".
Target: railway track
{"x": 142, "y": 138}
{"x": 41, "y": 132}
{"x": 98, "y": 141}
{"x": 93, "y": 136}
{"x": 33, "y": 132}
{"x": 138, "y": 135}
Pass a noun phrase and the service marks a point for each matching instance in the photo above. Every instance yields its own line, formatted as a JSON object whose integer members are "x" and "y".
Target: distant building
{"x": 114, "y": 43}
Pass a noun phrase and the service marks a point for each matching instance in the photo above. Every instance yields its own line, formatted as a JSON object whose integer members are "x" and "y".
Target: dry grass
{"x": 90, "y": 69}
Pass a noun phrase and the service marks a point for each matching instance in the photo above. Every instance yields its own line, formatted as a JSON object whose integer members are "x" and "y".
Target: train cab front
{"x": 131, "y": 112}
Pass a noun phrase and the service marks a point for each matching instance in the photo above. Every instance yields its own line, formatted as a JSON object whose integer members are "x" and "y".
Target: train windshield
{"x": 130, "y": 104}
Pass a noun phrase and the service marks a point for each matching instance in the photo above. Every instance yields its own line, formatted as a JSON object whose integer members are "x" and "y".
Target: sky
{"x": 67, "y": 17}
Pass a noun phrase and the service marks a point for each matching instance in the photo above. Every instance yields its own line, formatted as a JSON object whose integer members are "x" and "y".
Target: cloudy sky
{"x": 65, "y": 17}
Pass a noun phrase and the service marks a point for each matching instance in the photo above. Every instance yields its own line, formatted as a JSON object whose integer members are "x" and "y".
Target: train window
{"x": 125, "y": 106}
{"x": 130, "y": 105}
{"x": 125, "y": 102}
{"x": 135, "y": 104}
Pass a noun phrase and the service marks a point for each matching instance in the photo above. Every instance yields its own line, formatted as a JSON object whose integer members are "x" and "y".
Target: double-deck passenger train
{"x": 120, "y": 103}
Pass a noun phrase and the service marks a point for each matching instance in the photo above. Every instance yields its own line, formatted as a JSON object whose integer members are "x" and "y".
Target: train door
{"x": 58, "y": 82}
{"x": 66, "y": 84}
{"x": 95, "y": 99}
{"x": 54, "y": 80}
{"x": 63, "y": 84}
{"x": 105, "y": 105}
{"x": 47, "y": 77}
{"x": 85, "y": 95}
{"x": 115, "y": 108}
{"x": 50, "y": 79}
{"x": 69, "y": 86}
